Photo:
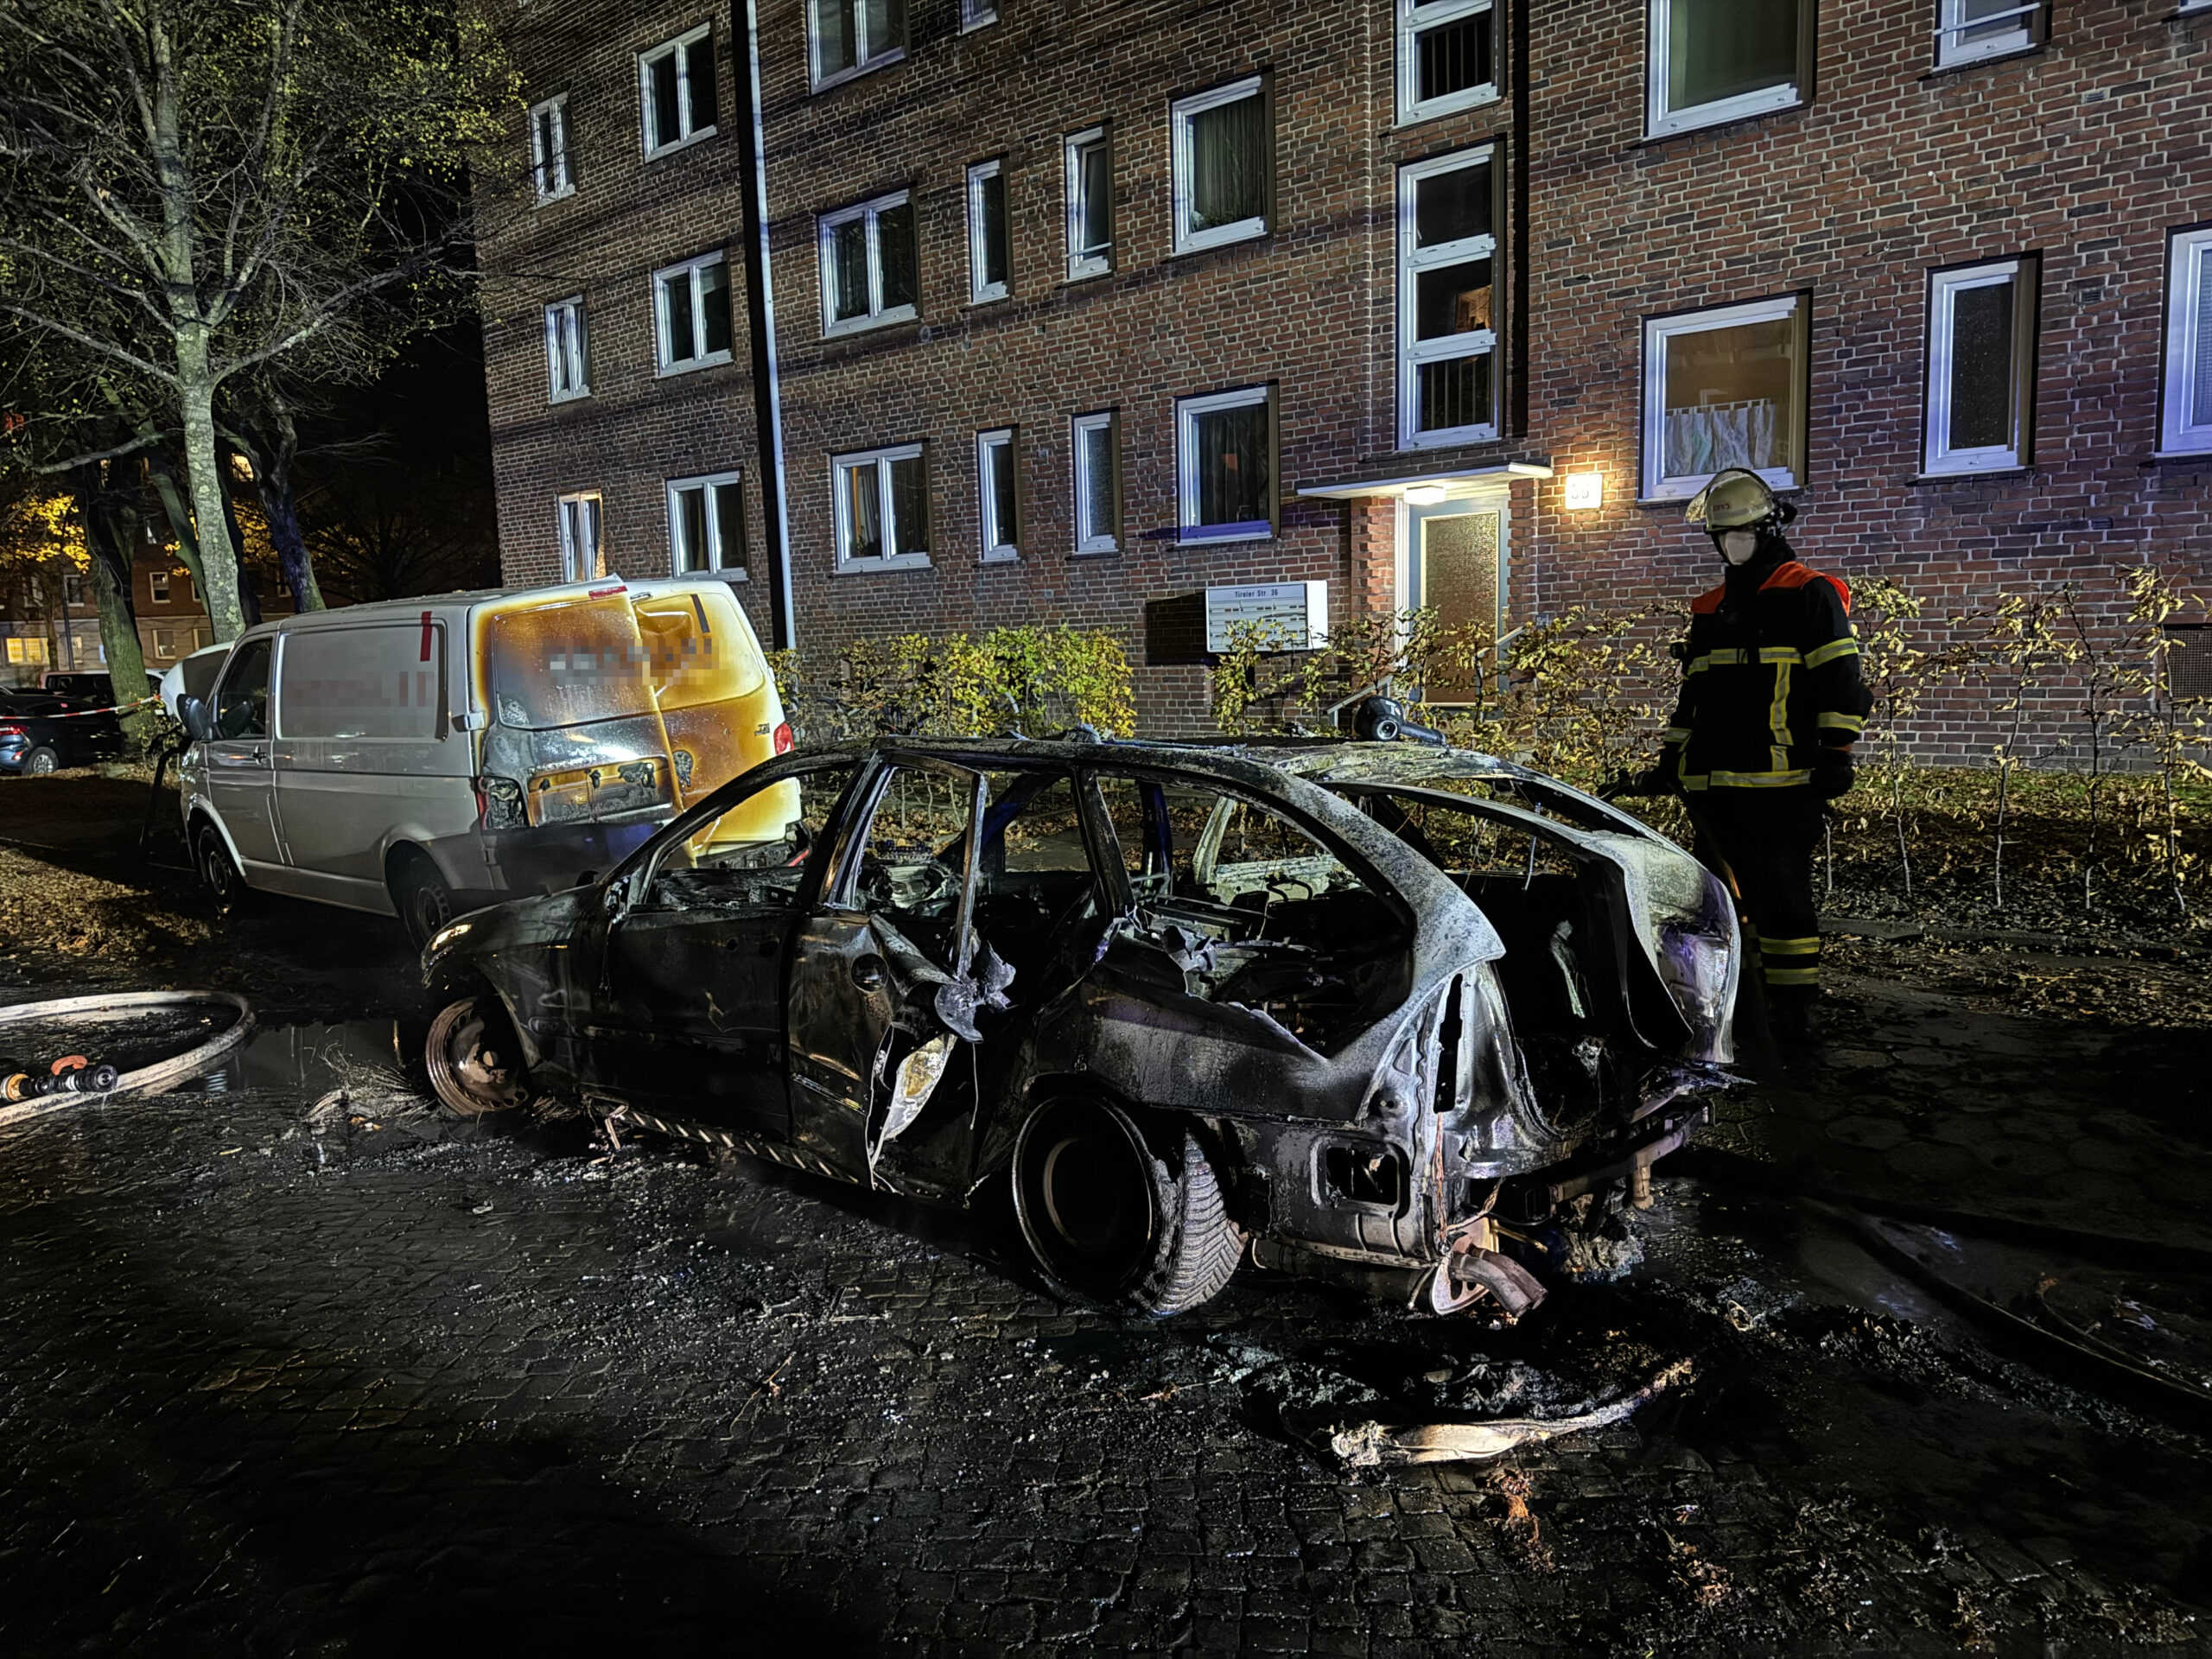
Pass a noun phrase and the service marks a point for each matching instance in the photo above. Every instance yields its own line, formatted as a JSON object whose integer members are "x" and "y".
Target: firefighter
{"x": 1761, "y": 737}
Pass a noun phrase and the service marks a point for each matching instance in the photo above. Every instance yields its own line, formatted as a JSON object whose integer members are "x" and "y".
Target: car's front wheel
{"x": 1113, "y": 1222}
{"x": 473, "y": 1057}
{"x": 218, "y": 870}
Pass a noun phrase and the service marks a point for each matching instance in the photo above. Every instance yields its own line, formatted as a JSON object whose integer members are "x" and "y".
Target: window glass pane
{"x": 549, "y": 152}
{"x": 675, "y": 317}
{"x": 1095, "y": 211}
{"x": 1973, "y": 9}
{"x": 2200, "y": 397}
{"x": 1452, "y": 300}
{"x": 1228, "y": 155}
{"x": 909, "y": 506}
{"x": 863, "y": 513}
{"x": 833, "y": 36}
{"x": 1451, "y": 206}
{"x": 1731, "y": 399}
{"x": 1454, "y": 57}
{"x": 1981, "y": 367}
{"x": 996, "y": 257}
{"x": 1454, "y": 393}
{"x": 242, "y": 705}
{"x": 884, "y": 22}
{"x": 691, "y": 529}
{"x": 1232, "y": 465}
{"x": 848, "y": 269}
{"x": 1095, "y": 469}
{"x": 729, "y": 526}
{"x": 1724, "y": 48}
{"x": 998, "y": 494}
{"x": 666, "y": 115}
{"x": 699, "y": 79}
{"x": 713, "y": 303}
{"x": 894, "y": 241}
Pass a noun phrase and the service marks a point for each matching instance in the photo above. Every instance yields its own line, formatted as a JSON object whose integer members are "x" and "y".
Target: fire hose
{"x": 30, "y": 1092}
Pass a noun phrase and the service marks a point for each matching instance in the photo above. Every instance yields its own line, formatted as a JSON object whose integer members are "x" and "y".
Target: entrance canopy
{"x": 1425, "y": 486}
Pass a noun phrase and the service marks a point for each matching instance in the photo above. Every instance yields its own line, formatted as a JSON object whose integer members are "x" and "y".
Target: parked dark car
{"x": 40, "y": 732}
{"x": 88, "y": 685}
{"x": 1365, "y": 1002}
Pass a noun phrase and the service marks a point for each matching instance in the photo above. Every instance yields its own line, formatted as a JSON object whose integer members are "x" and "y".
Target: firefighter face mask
{"x": 1737, "y": 545}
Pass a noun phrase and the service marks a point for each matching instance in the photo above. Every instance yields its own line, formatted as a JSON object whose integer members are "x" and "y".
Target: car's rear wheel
{"x": 424, "y": 902}
{"x": 1113, "y": 1224}
{"x": 40, "y": 762}
{"x": 473, "y": 1057}
{"x": 217, "y": 870}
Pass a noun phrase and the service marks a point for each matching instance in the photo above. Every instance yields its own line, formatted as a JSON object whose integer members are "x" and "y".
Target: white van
{"x": 426, "y": 756}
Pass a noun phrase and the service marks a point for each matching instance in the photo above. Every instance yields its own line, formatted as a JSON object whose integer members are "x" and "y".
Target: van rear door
{"x": 716, "y": 698}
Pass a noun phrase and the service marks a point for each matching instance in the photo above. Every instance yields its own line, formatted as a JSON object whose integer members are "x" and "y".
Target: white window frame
{"x": 562, "y": 182}
{"x": 1417, "y": 17}
{"x": 979, "y": 291}
{"x": 564, "y": 526}
{"x": 1657, "y": 331}
{"x": 1090, "y": 537}
{"x": 1179, "y": 114}
{"x": 663, "y": 282}
{"x": 157, "y": 587}
{"x": 1952, "y": 48}
{"x": 1937, "y": 457}
{"x": 727, "y": 562}
{"x": 2189, "y": 270}
{"x": 864, "y": 59}
{"x": 977, "y": 14}
{"x": 1187, "y": 410}
{"x": 1413, "y": 260}
{"x": 164, "y": 642}
{"x": 997, "y": 544}
{"x": 1659, "y": 120}
{"x": 878, "y": 314}
{"x": 686, "y": 134}
{"x": 568, "y": 351}
{"x": 840, "y": 494}
{"x": 1081, "y": 266}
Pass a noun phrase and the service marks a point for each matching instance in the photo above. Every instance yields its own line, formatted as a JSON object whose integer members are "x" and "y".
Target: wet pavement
{"x": 295, "y": 1364}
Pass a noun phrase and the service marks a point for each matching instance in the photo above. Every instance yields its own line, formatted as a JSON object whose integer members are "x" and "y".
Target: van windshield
{"x": 701, "y": 649}
{"x": 567, "y": 664}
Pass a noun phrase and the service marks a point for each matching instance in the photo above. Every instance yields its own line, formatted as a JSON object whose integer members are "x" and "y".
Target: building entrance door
{"x": 1456, "y": 556}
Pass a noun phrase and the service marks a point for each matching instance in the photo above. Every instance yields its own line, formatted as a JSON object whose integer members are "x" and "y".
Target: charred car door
{"x": 688, "y": 1012}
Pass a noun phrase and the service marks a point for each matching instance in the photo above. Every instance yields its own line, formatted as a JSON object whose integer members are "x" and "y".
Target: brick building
{"x": 953, "y": 314}
{"x": 49, "y": 619}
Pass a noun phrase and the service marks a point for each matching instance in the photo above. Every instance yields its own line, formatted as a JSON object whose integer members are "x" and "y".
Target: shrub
{"x": 1037, "y": 682}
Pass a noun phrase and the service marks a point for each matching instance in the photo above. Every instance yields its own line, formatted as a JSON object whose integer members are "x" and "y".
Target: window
{"x": 73, "y": 590}
{"x": 881, "y": 501}
{"x": 1447, "y": 287}
{"x": 2185, "y": 426}
{"x": 1090, "y": 164}
{"x": 1725, "y": 388}
{"x": 975, "y": 14}
{"x": 989, "y": 259}
{"x": 1980, "y": 367}
{"x": 157, "y": 587}
{"x": 567, "y": 365}
{"x": 202, "y": 637}
{"x": 26, "y": 650}
{"x": 868, "y": 267}
{"x": 676, "y": 90}
{"x": 706, "y": 525}
{"x": 1224, "y": 467}
{"x": 583, "y": 556}
{"x": 691, "y": 313}
{"x": 164, "y": 642}
{"x": 1097, "y": 481}
{"x": 1968, "y": 30}
{"x": 998, "y": 492}
{"x": 1715, "y": 61}
{"x": 242, "y": 699}
{"x": 1447, "y": 56}
{"x": 849, "y": 36}
{"x": 1224, "y": 163}
{"x": 549, "y": 149}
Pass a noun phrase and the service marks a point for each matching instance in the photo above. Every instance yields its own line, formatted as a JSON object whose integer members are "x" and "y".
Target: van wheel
{"x": 41, "y": 761}
{"x": 218, "y": 871}
{"x": 1111, "y": 1223}
{"x": 473, "y": 1059}
{"x": 424, "y": 902}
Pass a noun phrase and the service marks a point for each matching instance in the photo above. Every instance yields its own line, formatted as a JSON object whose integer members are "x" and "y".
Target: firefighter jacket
{"x": 1769, "y": 677}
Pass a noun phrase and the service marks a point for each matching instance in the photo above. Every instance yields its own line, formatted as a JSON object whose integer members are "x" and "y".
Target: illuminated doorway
{"x": 1455, "y": 560}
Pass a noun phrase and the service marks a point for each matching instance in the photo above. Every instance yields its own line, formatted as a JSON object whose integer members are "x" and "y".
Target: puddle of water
{"x": 355, "y": 1054}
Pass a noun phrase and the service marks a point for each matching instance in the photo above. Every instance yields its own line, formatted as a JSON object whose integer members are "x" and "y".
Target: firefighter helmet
{"x": 1735, "y": 499}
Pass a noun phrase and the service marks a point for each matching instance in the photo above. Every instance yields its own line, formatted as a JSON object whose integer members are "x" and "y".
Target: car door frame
{"x": 240, "y": 779}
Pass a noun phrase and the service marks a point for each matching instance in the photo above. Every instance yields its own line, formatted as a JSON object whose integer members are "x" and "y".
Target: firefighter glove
{"x": 1833, "y": 774}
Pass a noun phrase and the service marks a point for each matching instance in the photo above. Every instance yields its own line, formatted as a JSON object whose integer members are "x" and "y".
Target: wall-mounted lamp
{"x": 1424, "y": 495}
{"x": 1586, "y": 491}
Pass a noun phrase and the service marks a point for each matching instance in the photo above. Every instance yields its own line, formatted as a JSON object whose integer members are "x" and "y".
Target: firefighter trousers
{"x": 1767, "y": 837}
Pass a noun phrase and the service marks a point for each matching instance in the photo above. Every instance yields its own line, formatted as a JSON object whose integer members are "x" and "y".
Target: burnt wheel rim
{"x": 1085, "y": 1197}
{"x": 470, "y": 1058}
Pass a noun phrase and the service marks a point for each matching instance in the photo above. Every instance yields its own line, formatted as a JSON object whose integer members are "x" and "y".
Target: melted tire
{"x": 471, "y": 1055}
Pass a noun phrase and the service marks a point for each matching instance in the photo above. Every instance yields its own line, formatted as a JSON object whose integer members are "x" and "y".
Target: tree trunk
{"x": 219, "y": 576}
{"x": 271, "y": 444}
{"x": 180, "y": 517}
{"x": 109, "y": 535}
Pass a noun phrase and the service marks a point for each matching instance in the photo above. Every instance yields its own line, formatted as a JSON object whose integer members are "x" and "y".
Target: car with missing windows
{"x": 1314, "y": 1004}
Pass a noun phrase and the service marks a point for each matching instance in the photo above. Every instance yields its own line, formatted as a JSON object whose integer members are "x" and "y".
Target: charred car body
{"x": 1366, "y": 1001}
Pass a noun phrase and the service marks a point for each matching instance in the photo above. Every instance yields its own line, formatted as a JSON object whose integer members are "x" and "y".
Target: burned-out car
{"x": 1384, "y": 1004}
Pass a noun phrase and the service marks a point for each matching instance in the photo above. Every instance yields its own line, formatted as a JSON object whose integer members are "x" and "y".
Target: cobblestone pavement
{"x": 286, "y": 1378}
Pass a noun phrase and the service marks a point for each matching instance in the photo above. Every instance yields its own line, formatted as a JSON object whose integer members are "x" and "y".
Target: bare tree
{"x": 196, "y": 191}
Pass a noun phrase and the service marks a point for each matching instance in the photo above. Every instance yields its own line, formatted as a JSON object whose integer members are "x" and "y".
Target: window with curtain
{"x": 1447, "y": 56}
{"x": 567, "y": 361}
{"x": 1225, "y": 465}
{"x": 880, "y": 500}
{"x": 1724, "y": 387}
{"x": 706, "y": 525}
{"x": 676, "y": 90}
{"x": 1714, "y": 60}
{"x": 1223, "y": 153}
{"x": 583, "y": 554}
{"x": 869, "y": 265}
{"x": 549, "y": 149}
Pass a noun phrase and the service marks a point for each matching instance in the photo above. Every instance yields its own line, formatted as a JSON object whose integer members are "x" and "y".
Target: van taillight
{"x": 498, "y": 803}
{"x": 784, "y": 738}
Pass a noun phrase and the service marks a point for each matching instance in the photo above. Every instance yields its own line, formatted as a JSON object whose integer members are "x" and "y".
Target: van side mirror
{"x": 191, "y": 714}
